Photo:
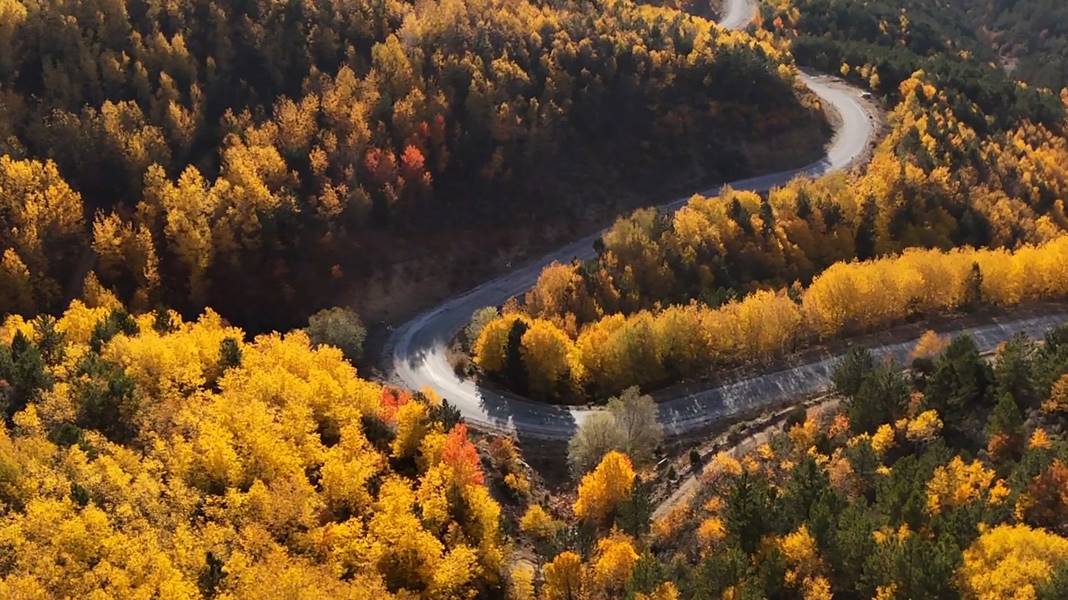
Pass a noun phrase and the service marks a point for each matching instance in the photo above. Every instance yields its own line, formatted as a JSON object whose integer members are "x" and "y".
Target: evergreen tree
{"x": 767, "y": 216}
{"x": 740, "y": 216}
{"x": 117, "y": 321}
{"x": 50, "y": 340}
{"x": 514, "y": 370}
{"x": 749, "y": 513}
{"x": 864, "y": 240}
{"x": 961, "y": 379}
{"x": 805, "y": 498}
{"x": 880, "y": 399}
{"x": 229, "y": 353}
{"x": 918, "y": 566}
{"x": 803, "y": 205}
{"x": 855, "y": 367}
{"x": 446, "y": 414}
{"x": 648, "y": 573}
{"x": 851, "y": 544}
{"x": 23, "y": 368}
{"x": 1051, "y": 360}
{"x": 718, "y": 571}
{"x": 972, "y": 298}
{"x": 1013, "y": 372}
{"x": 1005, "y": 418}
{"x": 634, "y": 512}
{"x": 107, "y": 399}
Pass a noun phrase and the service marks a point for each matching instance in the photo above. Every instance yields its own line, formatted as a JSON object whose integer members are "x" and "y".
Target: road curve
{"x": 737, "y": 14}
{"x": 418, "y": 347}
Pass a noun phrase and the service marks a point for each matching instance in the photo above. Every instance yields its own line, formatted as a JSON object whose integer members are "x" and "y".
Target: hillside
{"x": 942, "y": 482}
{"x": 972, "y": 159}
{"x": 213, "y": 154}
{"x": 152, "y": 457}
{"x": 742, "y": 394}
{"x": 1030, "y": 36}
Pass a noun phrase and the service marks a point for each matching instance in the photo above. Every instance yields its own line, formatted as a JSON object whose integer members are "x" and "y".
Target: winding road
{"x": 418, "y": 348}
{"x": 737, "y": 14}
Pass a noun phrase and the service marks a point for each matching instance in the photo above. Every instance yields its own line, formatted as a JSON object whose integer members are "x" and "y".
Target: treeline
{"x": 946, "y": 481}
{"x": 652, "y": 347}
{"x": 225, "y": 153}
{"x": 933, "y": 182}
{"x": 147, "y": 456}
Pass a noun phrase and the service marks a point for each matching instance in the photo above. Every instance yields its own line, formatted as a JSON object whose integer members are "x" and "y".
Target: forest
{"x": 956, "y": 41}
{"x": 647, "y": 348}
{"x": 184, "y": 185}
{"x": 147, "y": 456}
{"x": 151, "y": 456}
{"x": 972, "y": 159}
{"x": 1028, "y": 35}
{"x": 943, "y": 480}
{"x": 202, "y": 154}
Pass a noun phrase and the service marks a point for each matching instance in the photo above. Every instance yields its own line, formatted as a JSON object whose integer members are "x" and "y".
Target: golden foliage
{"x": 664, "y": 591}
{"x": 615, "y": 559}
{"x": 1010, "y": 561}
{"x": 564, "y": 577}
{"x": 1039, "y": 439}
{"x": 538, "y": 523}
{"x": 883, "y": 439}
{"x": 710, "y": 533}
{"x": 217, "y": 475}
{"x": 521, "y": 582}
{"x": 1058, "y": 397}
{"x": 549, "y": 356}
{"x": 601, "y": 490}
{"x": 668, "y": 525}
{"x": 957, "y": 484}
{"x": 929, "y": 345}
{"x": 41, "y": 227}
{"x": 619, "y": 351}
{"x": 924, "y": 427}
{"x": 802, "y": 558}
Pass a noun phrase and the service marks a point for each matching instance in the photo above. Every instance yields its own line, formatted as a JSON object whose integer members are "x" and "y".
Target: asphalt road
{"x": 418, "y": 347}
{"x": 737, "y": 14}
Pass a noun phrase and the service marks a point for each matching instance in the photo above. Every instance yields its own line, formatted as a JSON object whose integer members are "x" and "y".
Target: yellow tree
{"x": 614, "y": 562}
{"x": 408, "y": 555}
{"x": 805, "y": 567}
{"x": 1058, "y": 397}
{"x": 925, "y": 427}
{"x": 601, "y": 490}
{"x": 560, "y": 296}
{"x": 41, "y": 224}
{"x": 413, "y": 423}
{"x": 347, "y": 470}
{"x": 548, "y": 356}
{"x": 521, "y": 582}
{"x": 929, "y": 345}
{"x": 538, "y": 523}
{"x": 564, "y": 578}
{"x": 126, "y": 255}
{"x": 1011, "y": 561}
{"x": 221, "y": 478}
{"x": 491, "y": 347}
{"x": 186, "y": 210}
{"x": 16, "y": 286}
{"x": 957, "y": 483}
{"x": 664, "y": 591}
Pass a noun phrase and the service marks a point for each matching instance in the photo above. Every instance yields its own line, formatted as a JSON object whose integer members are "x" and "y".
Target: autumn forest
{"x": 274, "y": 321}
